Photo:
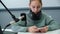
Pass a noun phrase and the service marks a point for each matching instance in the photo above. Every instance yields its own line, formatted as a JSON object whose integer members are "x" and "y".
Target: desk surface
{"x": 50, "y": 32}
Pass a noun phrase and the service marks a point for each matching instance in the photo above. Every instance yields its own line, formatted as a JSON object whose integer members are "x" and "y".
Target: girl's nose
{"x": 36, "y": 9}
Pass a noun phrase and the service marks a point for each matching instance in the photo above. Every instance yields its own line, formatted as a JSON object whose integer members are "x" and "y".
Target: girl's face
{"x": 35, "y": 6}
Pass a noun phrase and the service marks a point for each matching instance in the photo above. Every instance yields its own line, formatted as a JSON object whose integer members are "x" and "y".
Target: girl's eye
{"x": 33, "y": 6}
{"x": 38, "y": 7}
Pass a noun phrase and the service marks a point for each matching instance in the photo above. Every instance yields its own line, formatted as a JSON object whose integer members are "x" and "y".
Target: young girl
{"x": 37, "y": 21}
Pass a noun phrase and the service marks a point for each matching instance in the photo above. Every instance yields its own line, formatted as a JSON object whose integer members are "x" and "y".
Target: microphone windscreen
{"x": 23, "y": 14}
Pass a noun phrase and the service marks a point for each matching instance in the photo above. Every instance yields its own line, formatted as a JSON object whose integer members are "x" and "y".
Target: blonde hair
{"x": 36, "y": 0}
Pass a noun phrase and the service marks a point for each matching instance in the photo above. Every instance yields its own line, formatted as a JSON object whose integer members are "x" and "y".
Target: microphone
{"x": 22, "y": 17}
{"x": 13, "y": 16}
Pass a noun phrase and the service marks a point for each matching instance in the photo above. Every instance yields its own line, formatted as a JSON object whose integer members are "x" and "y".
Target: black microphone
{"x": 22, "y": 17}
{"x": 23, "y": 14}
{"x": 13, "y": 16}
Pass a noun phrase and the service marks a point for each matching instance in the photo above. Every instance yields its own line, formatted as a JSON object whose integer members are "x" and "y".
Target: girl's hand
{"x": 43, "y": 29}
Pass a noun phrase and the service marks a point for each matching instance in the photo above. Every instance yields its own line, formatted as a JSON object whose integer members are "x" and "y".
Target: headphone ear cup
{"x": 1, "y": 32}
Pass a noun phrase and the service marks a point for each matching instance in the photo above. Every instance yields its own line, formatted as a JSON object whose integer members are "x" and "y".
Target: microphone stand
{"x": 1, "y": 30}
{"x": 13, "y": 16}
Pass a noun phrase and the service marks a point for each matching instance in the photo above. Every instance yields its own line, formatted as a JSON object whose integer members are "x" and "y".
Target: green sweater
{"x": 45, "y": 20}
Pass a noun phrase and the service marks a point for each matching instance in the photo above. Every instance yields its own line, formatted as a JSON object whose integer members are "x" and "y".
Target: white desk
{"x": 50, "y": 32}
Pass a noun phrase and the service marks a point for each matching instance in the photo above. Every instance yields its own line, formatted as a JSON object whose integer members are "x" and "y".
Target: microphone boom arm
{"x": 13, "y": 16}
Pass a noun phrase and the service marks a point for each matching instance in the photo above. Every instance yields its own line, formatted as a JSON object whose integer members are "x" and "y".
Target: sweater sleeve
{"x": 19, "y": 27}
{"x": 52, "y": 24}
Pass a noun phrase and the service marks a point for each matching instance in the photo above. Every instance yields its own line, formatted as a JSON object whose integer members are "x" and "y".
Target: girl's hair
{"x": 36, "y": 0}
